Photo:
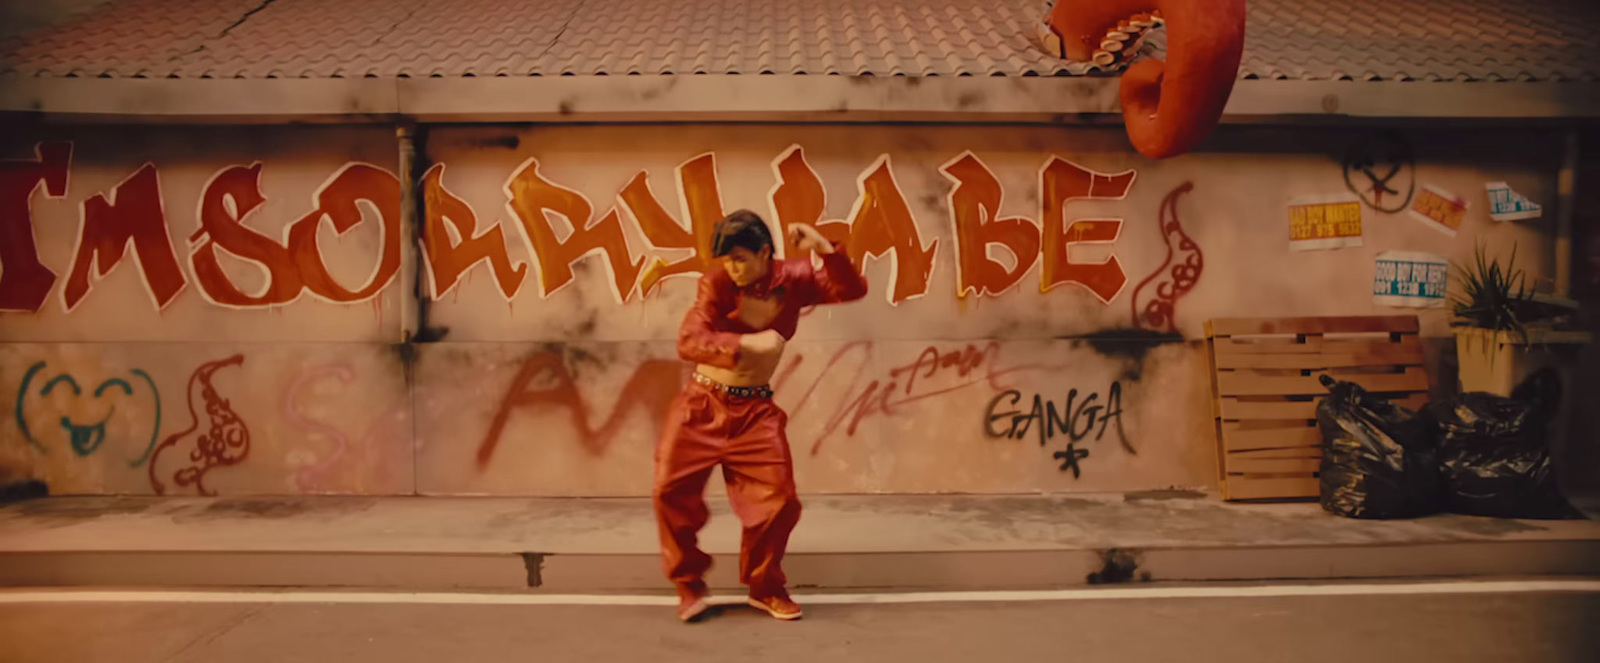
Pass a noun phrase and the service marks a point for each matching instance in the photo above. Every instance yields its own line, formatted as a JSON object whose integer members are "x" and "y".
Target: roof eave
{"x": 750, "y": 98}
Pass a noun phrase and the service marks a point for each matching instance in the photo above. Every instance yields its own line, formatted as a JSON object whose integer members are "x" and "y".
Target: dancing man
{"x": 735, "y": 334}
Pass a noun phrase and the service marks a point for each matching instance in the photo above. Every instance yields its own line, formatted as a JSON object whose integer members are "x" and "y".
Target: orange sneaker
{"x": 779, "y": 606}
{"x": 692, "y": 606}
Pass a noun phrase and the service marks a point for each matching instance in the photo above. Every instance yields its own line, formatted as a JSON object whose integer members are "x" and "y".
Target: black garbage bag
{"x": 1494, "y": 454}
{"x": 1378, "y": 459}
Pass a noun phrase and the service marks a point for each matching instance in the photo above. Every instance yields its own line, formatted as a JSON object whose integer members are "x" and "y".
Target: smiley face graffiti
{"x": 85, "y": 430}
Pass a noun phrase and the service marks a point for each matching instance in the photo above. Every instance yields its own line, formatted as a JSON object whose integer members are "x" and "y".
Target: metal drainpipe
{"x": 412, "y": 299}
{"x": 1566, "y": 208}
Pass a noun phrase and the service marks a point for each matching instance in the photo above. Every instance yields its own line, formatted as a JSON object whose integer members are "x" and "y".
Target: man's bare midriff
{"x": 754, "y": 369}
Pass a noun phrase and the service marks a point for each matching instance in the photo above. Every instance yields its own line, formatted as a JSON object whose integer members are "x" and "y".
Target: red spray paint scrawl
{"x": 544, "y": 379}
{"x": 933, "y": 374}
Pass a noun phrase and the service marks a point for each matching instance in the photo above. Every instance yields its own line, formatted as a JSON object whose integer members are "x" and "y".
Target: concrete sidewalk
{"x": 854, "y": 542}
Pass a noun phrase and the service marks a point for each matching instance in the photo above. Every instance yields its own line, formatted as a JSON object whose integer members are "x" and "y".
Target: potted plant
{"x": 1504, "y": 330}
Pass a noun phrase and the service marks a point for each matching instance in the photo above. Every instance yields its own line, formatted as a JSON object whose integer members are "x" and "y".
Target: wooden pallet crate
{"x": 1266, "y": 386}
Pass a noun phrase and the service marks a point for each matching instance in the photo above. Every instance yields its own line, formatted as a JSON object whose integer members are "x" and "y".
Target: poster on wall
{"x": 1508, "y": 205}
{"x": 1324, "y": 222}
{"x": 1439, "y": 209}
{"x": 1410, "y": 279}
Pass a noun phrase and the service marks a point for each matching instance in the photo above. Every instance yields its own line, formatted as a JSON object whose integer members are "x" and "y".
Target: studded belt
{"x": 762, "y": 391}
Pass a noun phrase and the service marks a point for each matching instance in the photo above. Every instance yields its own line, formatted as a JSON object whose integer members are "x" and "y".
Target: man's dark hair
{"x": 741, "y": 229}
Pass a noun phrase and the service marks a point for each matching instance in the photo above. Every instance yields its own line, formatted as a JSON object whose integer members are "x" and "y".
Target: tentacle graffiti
{"x": 225, "y": 442}
{"x": 1153, "y": 307}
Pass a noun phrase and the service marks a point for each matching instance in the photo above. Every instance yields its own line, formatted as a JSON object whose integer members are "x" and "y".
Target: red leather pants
{"x": 746, "y": 436}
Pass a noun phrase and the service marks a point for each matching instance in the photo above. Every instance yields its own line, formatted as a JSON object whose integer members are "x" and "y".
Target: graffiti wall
{"x": 208, "y": 418}
{"x": 221, "y": 310}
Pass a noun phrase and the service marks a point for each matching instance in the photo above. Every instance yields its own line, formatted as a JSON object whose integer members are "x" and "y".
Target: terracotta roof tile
{"x": 1287, "y": 39}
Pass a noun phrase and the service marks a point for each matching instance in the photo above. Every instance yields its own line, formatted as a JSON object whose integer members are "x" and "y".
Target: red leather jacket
{"x": 711, "y": 331}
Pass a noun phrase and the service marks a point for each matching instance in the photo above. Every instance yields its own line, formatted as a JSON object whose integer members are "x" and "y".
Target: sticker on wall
{"x": 1508, "y": 205}
{"x": 1324, "y": 222}
{"x": 1409, "y": 279}
{"x": 1439, "y": 209}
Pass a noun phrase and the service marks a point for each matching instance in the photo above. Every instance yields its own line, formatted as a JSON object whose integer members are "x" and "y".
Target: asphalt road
{"x": 1543, "y": 627}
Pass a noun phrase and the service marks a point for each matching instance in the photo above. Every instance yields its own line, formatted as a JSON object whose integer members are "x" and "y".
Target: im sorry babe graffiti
{"x": 559, "y": 227}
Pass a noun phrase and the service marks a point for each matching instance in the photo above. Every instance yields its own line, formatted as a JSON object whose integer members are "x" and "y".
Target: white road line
{"x": 25, "y": 596}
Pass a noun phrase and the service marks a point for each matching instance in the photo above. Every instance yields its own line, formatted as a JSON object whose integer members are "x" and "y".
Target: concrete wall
{"x": 555, "y": 362}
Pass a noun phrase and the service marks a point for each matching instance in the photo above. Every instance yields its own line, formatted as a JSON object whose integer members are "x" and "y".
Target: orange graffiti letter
{"x": 223, "y": 228}
{"x": 1061, "y": 182}
{"x": 882, "y": 222}
{"x": 533, "y": 199}
{"x": 974, "y": 205}
{"x": 702, "y": 205}
{"x": 339, "y": 201}
{"x": 133, "y": 214}
{"x": 24, "y": 281}
{"x": 450, "y": 257}
{"x": 798, "y": 197}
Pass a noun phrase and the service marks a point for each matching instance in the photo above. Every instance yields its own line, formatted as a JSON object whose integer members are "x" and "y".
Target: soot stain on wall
{"x": 534, "y": 564}
{"x": 1009, "y": 329}
{"x": 507, "y": 142}
{"x": 1131, "y": 346}
{"x": 406, "y": 353}
{"x": 426, "y": 332}
{"x": 589, "y": 323}
{"x": 576, "y": 359}
{"x": 69, "y": 511}
{"x": 1164, "y": 495}
{"x": 276, "y": 508}
{"x": 654, "y": 93}
{"x": 19, "y": 491}
{"x": 1118, "y": 566}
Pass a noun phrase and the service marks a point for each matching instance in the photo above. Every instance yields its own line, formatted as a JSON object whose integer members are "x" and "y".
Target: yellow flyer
{"x": 1324, "y": 222}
